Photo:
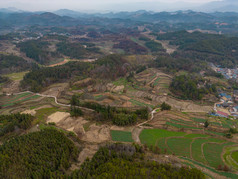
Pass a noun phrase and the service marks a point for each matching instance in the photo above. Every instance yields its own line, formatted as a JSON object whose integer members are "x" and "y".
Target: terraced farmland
{"x": 12, "y": 100}
{"x": 180, "y": 126}
{"x": 199, "y": 147}
{"x": 174, "y": 120}
{"x": 212, "y": 152}
{"x": 231, "y": 156}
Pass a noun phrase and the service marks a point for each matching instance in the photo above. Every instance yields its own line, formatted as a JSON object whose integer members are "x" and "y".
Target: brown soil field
{"x": 60, "y": 63}
{"x": 184, "y": 106}
{"x": 55, "y": 89}
{"x": 57, "y": 117}
{"x": 88, "y": 152}
{"x": 97, "y": 134}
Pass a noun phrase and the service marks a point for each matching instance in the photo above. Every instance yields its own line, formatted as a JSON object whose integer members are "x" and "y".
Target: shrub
{"x": 165, "y": 106}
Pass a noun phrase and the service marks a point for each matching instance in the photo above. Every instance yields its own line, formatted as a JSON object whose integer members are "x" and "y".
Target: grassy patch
{"x": 45, "y": 126}
{"x": 196, "y": 135}
{"x": 212, "y": 153}
{"x": 138, "y": 103}
{"x": 121, "y": 136}
{"x": 86, "y": 126}
{"x": 16, "y": 76}
{"x": 150, "y": 136}
{"x": 181, "y": 126}
{"x": 199, "y": 120}
{"x": 43, "y": 113}
{"x": 98, "y": 97}
{"x": 161, "y": 143}
{"x": 197, "y": 148}
{"x": 156, "y": 81}
{"x": 234, "y": 156}
{"x": 180, "y": 121}
{"x": 180, "y": 146}
{"x": 216, "y": 133}
{"x": 121, "y": 81}
{"x": 231, "y": 157}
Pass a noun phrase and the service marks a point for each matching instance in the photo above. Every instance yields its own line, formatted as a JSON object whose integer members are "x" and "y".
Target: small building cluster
{"x": 226, "y": 72}
{"x": 226, "y": 106}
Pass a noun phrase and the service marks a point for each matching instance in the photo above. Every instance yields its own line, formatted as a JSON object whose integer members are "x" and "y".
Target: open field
{"x": 121, "y": 136}
{"x": 16, "y": 76}
{"x": 201, "y": 148}
{"x": 234, "y": 156}
{"x": 230, "y": 156}
{"x": 181, "y": 121}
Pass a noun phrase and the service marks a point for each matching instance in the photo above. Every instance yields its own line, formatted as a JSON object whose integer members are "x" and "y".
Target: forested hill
{"x": 49, "y": 154}
{"x": 217, "y": 49}
{"x": 11, "y": 63}
{"x": 126, "y": 161}
{"x": 184, "y": 38}
{"x": 44, "y": 154}
{"x": 115, "y": 65}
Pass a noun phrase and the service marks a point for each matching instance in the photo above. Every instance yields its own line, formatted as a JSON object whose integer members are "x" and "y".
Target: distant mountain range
{"x": 220, "y": 6}
{"x": 65, "y": 17}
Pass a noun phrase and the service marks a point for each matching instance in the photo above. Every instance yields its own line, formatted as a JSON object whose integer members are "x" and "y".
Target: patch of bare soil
{"x": 107, "y": 101}
{"x": 136, "y": 134}
{"x": 12, "y": 87}
{"x": 169, "y": 48}
{"x": 56, "y": 89}
{"x": 123, "y": 97}
{"x": 97, "y": 134}
{"x": 31, "y": 112}
{"x": 127, "y": 104}
{"x": 118, "y": 128}
{"x": 60, "y": 63}
{"x": 57, "y": 117}
{"x": 87, "y": 152}
{"x": 73, "y": 124}
{"x": 84, "y": 81}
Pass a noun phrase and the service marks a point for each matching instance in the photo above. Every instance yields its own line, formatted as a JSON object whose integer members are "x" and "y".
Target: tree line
{"x": 118, "y": 116}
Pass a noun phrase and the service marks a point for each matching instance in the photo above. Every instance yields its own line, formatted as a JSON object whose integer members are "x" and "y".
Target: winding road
{"x": 68, "y": 105}
{"x": 152, "y": 117}
{"x": 43, "y": 95}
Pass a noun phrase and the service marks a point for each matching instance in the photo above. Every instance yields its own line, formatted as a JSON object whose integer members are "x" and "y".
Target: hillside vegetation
{"x": 120, "y": 160}
{"x": 114, "y": 65}
{"x": 206, "y": 47}
{"x": 12, "y": 63}
{"x": 37, "y": 155}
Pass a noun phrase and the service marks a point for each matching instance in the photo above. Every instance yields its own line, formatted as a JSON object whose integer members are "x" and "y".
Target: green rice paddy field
{"x": 201, "y": 148}
{"x": 121, "y": 136}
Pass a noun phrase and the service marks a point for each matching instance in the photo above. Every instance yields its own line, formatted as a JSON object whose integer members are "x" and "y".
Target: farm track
{"x": 152, "y": 117}
{"x": 50, "y": 96}
{"x": 136, "y": 134}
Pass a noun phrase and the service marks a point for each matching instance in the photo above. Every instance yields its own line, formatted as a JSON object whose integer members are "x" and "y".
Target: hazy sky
{"x": 85, "y": 4}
